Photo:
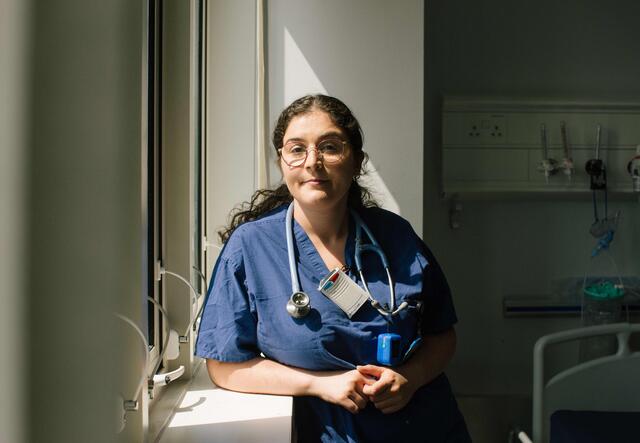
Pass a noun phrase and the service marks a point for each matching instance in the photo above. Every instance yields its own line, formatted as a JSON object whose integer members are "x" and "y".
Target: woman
{"x": 327, "y": 359}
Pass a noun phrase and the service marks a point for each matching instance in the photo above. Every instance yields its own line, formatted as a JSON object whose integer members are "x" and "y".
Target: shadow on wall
{"x": 327, "y": 47}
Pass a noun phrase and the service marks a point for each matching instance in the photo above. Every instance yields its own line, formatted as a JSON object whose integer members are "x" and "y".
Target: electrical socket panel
{"x": 496, "y": 146}
{"x": 472, "y": 129}
{"x": 486, "y": 128}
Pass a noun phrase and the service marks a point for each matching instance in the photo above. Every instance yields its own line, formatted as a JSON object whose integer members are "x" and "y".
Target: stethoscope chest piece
{"x": 298, "y": 305}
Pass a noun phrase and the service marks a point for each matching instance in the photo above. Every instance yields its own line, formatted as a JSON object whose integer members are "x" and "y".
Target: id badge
{"x": 343, "y": 291}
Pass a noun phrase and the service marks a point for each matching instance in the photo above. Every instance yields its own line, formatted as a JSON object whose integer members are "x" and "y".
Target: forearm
{"x": 261, "y": 376}
{"x": 430, "y": 359}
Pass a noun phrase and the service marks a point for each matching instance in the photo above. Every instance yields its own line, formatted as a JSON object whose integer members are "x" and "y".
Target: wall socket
{"x": 486, "y": 128}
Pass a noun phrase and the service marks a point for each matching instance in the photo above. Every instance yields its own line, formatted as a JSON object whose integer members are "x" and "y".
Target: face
{"x": 315, "y": 184}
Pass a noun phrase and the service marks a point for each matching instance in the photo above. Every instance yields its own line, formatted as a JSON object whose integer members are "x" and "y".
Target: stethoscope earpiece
{"x": 298, "y": 305}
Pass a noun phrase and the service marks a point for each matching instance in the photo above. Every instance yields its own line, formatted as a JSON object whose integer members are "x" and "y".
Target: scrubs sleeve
{"x": 438, "y": 313}
{"x": 228, "y": 326}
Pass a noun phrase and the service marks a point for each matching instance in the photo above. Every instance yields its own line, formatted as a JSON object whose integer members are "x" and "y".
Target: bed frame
{"x": 610, "y": 383}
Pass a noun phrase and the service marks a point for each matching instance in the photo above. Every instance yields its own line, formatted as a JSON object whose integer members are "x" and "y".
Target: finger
{"x": 360, "y": 400}
{"x": 365, "y": 379}
{"x": 382, "y": 396}
{"x": 354, "y": 403}
{"x": 377, "y": 388}
{"x": 371, "y": 370}
{"x": 350, "y": 406}
{"x": 360, "y": 389}
{"x": 369, "y": 380}
{"x": 386, "y": 403}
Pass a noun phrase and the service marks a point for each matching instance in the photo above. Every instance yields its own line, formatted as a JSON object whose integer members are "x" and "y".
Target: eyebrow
{"x": 322, "y": 137}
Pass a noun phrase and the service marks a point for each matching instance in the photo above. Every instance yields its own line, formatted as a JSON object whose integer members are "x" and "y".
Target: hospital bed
{"x": 597, "y": 401}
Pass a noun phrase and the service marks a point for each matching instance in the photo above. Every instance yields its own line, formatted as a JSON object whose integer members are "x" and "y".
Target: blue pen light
{"x": 389, "y": 349}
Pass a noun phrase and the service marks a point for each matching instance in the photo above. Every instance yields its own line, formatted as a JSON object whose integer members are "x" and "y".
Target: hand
{"x": 344, "y": 388}
{"x": 390, "y": 392}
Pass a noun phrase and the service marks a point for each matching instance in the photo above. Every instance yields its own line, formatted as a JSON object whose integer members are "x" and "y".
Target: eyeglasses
{"x": 295, "y": 153}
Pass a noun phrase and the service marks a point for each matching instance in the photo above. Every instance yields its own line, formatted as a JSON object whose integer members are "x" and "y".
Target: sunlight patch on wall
{"x": 299, "y": 80}
{"x": 379, "y": 190}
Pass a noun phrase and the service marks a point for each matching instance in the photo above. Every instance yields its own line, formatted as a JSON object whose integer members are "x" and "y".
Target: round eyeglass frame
{"x": 301, "y": 162}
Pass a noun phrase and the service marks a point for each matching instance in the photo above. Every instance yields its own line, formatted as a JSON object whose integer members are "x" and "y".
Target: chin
{"x": 319, "y": 200}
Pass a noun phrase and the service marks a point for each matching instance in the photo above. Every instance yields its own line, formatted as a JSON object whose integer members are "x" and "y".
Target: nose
{"x": 313, "y": 158}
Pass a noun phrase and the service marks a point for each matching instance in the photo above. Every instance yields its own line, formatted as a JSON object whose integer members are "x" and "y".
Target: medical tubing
{"x": 295, "y": 284}
{"x": 146, "y": 352}
{"x": 202, "y": 277}
{"x": 543, "y": 137}
{"x": 392, "y": 291}
{"x": 375, "y": 303}
{"x": 374, "y": 243}
{"x": 565, "y": 141}
{"x": 165, "y": 314}
{"x": 375, "y": 247}
{"x": 201, "y": 309}
{"x": 366, "y": 287}
{"x": 192, "y": 323}
{"x": 184, "y": 280}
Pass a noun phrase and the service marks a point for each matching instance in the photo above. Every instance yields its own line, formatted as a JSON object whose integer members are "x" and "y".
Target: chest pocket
{"x": 288, "y": 340}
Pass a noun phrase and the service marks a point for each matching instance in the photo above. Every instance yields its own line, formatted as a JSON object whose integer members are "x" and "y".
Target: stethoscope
{"x": 299, "y": 304}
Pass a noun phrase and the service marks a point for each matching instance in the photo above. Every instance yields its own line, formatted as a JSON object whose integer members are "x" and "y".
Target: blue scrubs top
{"x": 245, "y": 315}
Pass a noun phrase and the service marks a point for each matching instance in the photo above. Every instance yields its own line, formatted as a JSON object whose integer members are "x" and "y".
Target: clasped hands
{"x": 385, "y": 387}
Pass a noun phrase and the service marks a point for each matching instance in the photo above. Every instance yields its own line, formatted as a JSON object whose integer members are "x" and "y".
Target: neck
{"x": 327, "y": 225}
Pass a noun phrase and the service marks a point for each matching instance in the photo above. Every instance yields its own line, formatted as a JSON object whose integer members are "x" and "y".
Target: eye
{"x": 330, "y": 146}
{"x": 296, "y": 148}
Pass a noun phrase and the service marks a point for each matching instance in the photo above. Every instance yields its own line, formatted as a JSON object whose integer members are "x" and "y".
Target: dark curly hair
{"x": 265, "y": 200}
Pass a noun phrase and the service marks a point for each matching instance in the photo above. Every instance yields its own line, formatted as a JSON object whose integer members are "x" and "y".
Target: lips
{"x": 315, "y": 181}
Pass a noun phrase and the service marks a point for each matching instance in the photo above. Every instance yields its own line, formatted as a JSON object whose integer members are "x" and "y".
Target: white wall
{"x": 14, "y": 63}
{"x": 230, "y": 112}
{"x": 368, "y": 53}
{"x": 578, "y": 49}
{"x": 84, "y": 248}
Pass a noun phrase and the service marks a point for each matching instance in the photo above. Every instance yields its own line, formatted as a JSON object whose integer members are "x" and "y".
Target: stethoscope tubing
{"x": 374, "y": 246}
{"x": 295, "y": 284}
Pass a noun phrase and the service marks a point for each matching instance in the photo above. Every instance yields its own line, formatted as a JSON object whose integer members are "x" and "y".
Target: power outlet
{"x": 486, "y": 129}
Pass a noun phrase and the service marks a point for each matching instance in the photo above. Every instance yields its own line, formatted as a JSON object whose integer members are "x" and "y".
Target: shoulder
{"x": 397, "y": 236}
{"x": 385, "y": 220}
{"x": 269, "y": 227}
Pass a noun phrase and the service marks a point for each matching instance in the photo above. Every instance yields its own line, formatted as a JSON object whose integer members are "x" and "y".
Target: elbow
{"x": 444, "y": 343}
{"x": 450, "y": 342}
{"x": 217, "y": 372}
{"x": 453, "y": 340}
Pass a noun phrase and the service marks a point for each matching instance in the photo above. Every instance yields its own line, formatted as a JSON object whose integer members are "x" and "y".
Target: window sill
{"x": 198, "y": 411}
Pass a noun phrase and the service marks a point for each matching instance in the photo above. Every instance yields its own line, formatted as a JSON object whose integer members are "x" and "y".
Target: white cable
{"x": 195, "y": 319}
{"x": 202, "y": 277}
{"x": 184, "y": 280}
{"x": 146, "y": 352}
{"x": 213, "y": 245}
